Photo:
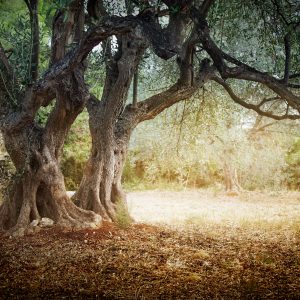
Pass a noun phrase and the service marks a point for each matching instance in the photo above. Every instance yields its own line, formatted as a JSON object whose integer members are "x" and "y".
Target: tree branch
{"x": 151, "y": 107}
{"x": 251, "y": 106}
{"x": 279, "y": 12}
{"x": 166, "y": 42}
{"x": 71, "y": 97}
{"x": 293, "y": 85}
{"x": 243, "y": 71}
{"x": 205, "y": 7}
{"x": 266, "y": 100}
{"x": 32, "y": 6}
{"x": 154, "y": 105}
{"x": 296, "y": 75}
{"x": 185, "y": 60}
{"x": 108, "y": 27}
{"x": 287, "y": 48}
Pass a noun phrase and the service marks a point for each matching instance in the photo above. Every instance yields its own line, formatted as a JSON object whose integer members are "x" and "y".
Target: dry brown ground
{"x": 213, "y": 247}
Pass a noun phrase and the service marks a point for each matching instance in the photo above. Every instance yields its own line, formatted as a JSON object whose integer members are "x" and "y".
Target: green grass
{"x": 123, "y": 218}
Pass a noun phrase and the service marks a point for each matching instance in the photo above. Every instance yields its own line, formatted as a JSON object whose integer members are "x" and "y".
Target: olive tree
{"x": 178, "y": 29}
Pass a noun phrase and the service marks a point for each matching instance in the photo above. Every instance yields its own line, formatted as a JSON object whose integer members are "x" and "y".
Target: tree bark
{"x": 38, "y": 190}
{"x": 101, "y": 189}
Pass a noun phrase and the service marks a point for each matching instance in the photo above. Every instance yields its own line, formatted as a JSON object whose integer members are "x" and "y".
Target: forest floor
{"x": 186, "y": 245}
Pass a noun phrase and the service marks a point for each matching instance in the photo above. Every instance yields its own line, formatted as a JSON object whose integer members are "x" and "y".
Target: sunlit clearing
{"x": 205, "y": 208}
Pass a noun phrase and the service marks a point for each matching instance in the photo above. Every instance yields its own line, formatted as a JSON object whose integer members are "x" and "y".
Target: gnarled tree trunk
{"x": 38, "y": 190}
{"x": 101, "y": 189}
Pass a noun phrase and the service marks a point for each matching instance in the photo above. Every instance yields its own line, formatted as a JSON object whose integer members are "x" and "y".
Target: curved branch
{"x": 152, "y": 106}
{"x": 244, "y": 71}
{"x": 293, "y": 76}
{"x": 287, "y": 47}
{"x": 254, "y": 107}
{"x": 108, "y": 27}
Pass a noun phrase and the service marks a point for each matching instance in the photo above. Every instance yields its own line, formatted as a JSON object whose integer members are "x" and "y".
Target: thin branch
{"x": 296, "y": 75}
{"x": 243, "y": 71}
{"x": 279, "y": 12}
{"x": 266, "y": 126}
{"x": 266, "y": 100}
{"x": 205, "y": 7}
{"x": 287, "y": 109}
{"x": 294, "y": 86}
{"x": 154, "y": 105}
{"x": 254, "y": 107}
{"x": 135, "y": 88}
{"x": 287, "y": 47}
{"x": 32, "y": 6}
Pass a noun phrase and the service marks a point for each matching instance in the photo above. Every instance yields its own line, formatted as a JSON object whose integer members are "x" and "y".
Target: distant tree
{"x": 124, "y": 30}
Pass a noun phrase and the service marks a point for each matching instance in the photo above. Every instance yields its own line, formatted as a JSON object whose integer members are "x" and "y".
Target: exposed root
{"x": 104, "y": 202}
{"x": 18, "y": 213}
{"x": 72, "y": 216}
{"x": 89, "y": 199}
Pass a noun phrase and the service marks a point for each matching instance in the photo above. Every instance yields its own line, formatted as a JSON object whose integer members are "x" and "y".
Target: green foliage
{"x": 76, "y": 152}
{"x": 293, "y": 154}
{"x": 17, "y": 38}
{"x": 174, "y": 9}
{"x": 293, "y": 161}
{"x": 95, "y": 75}
{"x": 43, "y": 114}
{"x": 49, "y": 9}
{"x": 253, "y": 31}
{"x": 194, "y": 143}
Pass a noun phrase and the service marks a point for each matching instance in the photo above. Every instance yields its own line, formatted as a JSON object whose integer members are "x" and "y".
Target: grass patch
{"x": 123, "y": 218}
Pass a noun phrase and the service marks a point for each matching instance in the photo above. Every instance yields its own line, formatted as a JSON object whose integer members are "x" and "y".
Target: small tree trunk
{"x": 231, "y": 179}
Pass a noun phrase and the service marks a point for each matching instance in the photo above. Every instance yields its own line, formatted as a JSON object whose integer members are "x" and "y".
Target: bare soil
{"x": 187, "y": 245}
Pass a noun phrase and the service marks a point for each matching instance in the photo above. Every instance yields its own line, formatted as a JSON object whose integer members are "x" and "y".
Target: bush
{"x": 123, "y": 219}
{"x": 76, "y": 152}
{"x": 293, "y": 161}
